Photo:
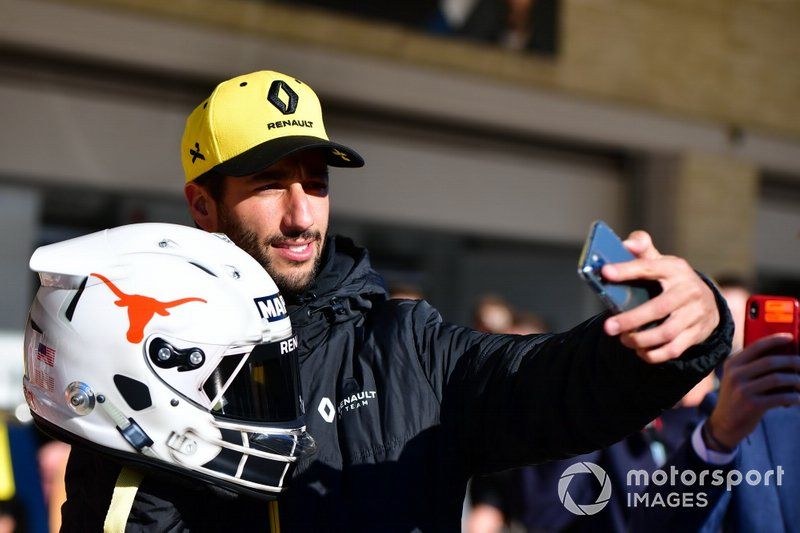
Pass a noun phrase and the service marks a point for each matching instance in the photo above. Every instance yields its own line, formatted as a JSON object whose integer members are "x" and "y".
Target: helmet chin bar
{"x": 233, "y": 479}
{"x": 244, "y": 450}
{"x": 242, "y": 459}
{"x": 181, "y": 446}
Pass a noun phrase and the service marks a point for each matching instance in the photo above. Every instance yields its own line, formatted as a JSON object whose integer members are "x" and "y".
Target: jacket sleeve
{"x": 513, "y": 400}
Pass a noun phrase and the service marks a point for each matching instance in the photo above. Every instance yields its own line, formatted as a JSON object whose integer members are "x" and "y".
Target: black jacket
{"x": 405, "y": 407}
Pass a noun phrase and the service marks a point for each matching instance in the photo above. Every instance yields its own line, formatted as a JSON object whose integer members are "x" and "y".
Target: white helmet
{"x": 170, "y": 346}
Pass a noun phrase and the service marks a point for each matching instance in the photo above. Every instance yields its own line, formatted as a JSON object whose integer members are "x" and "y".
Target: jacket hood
{"x": 344, "y": 288}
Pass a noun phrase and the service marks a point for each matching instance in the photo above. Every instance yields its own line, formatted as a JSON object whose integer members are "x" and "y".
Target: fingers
{"x": 780, "y": 399}
{"x": 761, "y": 347}
{"x": 653, "y": 310}
{"x": 662, "y": 334}
{"x": 766, "y": 365}
{"x": 660, "y": 267}
{"x": 671, "y": 350}
{"x": 640, "y": 244}
{"x": 769, "y": 382}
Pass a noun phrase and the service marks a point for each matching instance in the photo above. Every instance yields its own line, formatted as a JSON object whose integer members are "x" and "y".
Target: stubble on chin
{"x": 292, "y": 280}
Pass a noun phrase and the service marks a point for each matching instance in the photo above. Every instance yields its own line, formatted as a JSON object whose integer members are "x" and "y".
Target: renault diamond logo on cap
{"x": 274, "y": 97}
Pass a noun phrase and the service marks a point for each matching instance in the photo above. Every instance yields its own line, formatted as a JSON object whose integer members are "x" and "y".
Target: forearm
{"x": 580, "y": 390}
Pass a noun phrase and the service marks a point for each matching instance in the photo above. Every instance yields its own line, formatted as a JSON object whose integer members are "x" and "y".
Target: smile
{"x": 297, "y": 253}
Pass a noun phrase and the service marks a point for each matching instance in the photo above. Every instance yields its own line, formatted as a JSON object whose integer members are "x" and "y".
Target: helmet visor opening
{"x": 265, "y": 386}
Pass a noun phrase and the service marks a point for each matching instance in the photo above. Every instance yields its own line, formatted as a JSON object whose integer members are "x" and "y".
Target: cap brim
{"x": 267, "y": 154}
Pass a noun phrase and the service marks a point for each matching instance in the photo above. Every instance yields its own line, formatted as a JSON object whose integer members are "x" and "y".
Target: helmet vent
{"x": 135, "y": 393}
{"x": 204, "y": 269}
{"x": 74, "y": 303}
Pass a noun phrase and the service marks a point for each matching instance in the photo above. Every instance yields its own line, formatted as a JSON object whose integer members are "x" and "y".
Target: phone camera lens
{"x": 753, "y": 310}
{"x": 597, "y": 263}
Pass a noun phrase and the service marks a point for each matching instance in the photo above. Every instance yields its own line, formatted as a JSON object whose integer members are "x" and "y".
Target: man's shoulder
{"x": 404, "y": 310}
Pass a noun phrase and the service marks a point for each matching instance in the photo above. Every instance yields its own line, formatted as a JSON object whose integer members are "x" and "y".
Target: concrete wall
{"x": 720, "y": 60}
{"x": 19, "y": 214}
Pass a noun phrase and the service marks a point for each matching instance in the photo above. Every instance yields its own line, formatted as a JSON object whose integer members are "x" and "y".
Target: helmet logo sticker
{"x": 46, "y": 354}
{"x": 272, "y": 307}
{"x": 141, "y": 309}
{"x": 274, "y": 97}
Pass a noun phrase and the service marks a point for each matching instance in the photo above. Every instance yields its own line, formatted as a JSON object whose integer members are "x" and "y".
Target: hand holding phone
{"x": 604, "y": 247}
{"x": 758, "y": 378}
{"x": 647, "y": 288}
{"x": 767, "y": 315}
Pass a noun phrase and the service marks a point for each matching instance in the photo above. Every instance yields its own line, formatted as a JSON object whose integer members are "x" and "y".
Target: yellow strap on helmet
{"x": 122, "y": 500}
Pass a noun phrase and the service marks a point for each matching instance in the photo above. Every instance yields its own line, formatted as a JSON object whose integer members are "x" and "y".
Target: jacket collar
{"x": 344, "y": 288}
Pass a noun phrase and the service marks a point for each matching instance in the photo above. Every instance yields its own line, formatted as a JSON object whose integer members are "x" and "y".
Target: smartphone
{"x": 767, "y": 315}
{"x": 602, "y": 247}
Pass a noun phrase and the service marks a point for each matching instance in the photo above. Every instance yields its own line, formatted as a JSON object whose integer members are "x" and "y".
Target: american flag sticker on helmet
{"x": 41, "y": 378}
{"x": 46, "y": 354}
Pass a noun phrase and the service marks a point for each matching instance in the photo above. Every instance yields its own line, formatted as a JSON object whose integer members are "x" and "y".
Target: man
{"x": 404, "y": 407}
{"x": 753, "y": 425}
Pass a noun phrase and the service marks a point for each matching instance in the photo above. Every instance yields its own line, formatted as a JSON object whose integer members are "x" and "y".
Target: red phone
{"x": 767, "y": 315}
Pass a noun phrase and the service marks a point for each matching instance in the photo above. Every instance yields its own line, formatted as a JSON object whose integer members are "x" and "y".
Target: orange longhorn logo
{"x": 141, "y": 309}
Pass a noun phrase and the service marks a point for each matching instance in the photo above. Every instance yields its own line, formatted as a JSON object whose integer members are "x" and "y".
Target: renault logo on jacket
{"x": 327, "y": 410}
{"x": 356, "y": 401}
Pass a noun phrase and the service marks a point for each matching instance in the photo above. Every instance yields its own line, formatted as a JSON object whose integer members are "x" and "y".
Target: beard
{"x": 294, "y": 280}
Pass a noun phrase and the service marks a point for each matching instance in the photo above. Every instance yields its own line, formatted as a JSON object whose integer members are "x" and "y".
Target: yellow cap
{"x": 252, "y": 121}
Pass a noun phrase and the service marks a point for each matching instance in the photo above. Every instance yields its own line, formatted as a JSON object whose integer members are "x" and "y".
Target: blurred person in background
{"x": 736, "y": 290}
{"x": 753, "y": 423}
{"x": 406, "y": 292}
{"x": 12, "y": 516}
{"x": 52, "y": 458}
{"x": 530, "y": 25}
{"x": 405, "y": 407}
{"x": 492, "y": 314}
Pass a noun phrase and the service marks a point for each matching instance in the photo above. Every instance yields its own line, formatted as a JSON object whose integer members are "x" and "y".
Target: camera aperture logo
{"x": 602, "y": 498}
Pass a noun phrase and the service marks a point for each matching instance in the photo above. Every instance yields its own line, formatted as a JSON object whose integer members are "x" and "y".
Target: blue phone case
{"x": 604, "y": 246}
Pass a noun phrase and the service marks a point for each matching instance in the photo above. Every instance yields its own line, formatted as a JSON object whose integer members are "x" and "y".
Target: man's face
{"x": 736, "y": 297}
{"x": 280, "y": 217}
